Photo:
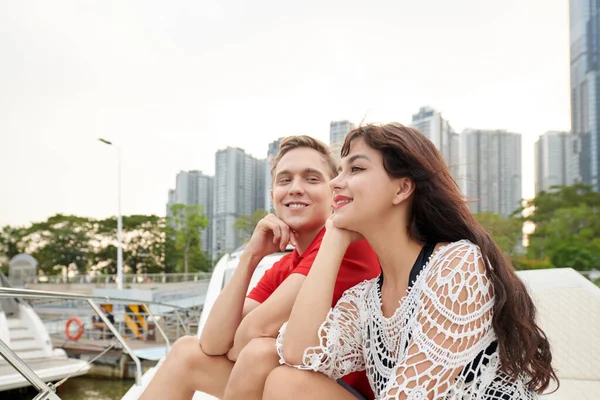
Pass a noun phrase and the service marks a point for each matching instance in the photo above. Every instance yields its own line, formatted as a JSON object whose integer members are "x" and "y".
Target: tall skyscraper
{"x": 239, "y": 190}
{"x": 585, "y": 91}
{"x": 271, "y": 154}
{"x": 261, "y": 193}
{"x": 170, "y": 202}
{"x": 553, "y": 151}
{"x": 493, "y": 170}
{"x": 431, "y": 123}
{"x": 337, "y": 133}
{"x": 195, "y": 188}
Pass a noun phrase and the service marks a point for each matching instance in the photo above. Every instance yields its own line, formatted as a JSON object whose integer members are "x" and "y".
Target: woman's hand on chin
{"x": 340, "y": 236}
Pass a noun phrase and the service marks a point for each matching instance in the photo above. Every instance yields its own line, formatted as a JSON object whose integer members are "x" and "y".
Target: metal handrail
{"x": 28, "y": 293}
{"x": 138, "y": 364}
{"x": 127, "y": 278}
{"x": 46, "y": 391}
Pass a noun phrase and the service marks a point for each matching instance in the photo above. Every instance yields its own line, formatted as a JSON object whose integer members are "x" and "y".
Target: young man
{"x": 242, "y": 328}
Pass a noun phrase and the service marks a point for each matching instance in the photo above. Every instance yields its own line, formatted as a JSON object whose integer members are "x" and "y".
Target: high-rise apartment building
{"x": 553, "y": 152}
{"x": 585, "y": 91}
{"x": 493, "y": 170}
{"x": 271, "y": 154}
{"x": 195, "y": 188}
{"x": 337, "y": 133}
{"x": 431, "y": 123}
{"x": 172, "y": 199}
{"x": 239, "y": 189}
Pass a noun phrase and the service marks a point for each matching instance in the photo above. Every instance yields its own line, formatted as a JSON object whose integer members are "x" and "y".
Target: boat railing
{"x": 46, "y": 391}
{"x": 101, "y": 279}
{"x": 56, "y": 312}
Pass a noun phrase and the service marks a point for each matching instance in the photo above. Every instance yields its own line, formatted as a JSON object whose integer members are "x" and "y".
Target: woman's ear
{"x": 404, "y": 190}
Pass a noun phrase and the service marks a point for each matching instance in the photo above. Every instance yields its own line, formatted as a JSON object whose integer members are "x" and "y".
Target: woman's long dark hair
{"x": 440, "y": 214}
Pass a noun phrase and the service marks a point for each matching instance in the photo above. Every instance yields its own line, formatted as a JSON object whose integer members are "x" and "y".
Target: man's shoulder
{"x": 283, "y": 262}
{"x": 283, "y": 265}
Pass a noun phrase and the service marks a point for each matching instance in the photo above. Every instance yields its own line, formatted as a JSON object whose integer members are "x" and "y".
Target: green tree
{"x": 186, "y": 224}
{"x": 246, "y": 224}
{"x": 560, "y": 216}
{"x": 574, "y": 255}
{"x": 172, "y": 256}
{"x": 571, "y": 238}
{"x": 506, "y": 231}
{"x": 11, "y": 244}
{"x": 143, "y": 244}
{"x": 11, "y": 241}
{"x": 545, "y": 204}
{"x": 60, "y": 241}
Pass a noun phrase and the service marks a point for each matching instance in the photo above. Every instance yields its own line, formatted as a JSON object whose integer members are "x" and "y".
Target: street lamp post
{"x": 119, "y": 219}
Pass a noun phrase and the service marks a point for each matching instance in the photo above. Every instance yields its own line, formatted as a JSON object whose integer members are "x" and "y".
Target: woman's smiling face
{"x": 363, "y": 191}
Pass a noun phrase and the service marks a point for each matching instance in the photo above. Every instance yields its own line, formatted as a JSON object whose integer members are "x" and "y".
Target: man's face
{"x": 301, "y": 193}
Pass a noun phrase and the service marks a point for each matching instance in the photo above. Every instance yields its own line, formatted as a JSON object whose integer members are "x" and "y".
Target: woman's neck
{"x": 396, "y": 250}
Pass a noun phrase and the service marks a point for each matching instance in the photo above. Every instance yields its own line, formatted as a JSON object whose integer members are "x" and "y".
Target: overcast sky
{"x": 172, "y": 82}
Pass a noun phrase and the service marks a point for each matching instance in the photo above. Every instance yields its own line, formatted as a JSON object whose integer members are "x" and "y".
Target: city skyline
{"x": 553, "y": 160}
{"x": 194, "y": 188}
{"x": 585, "y": 96}
{"x": 437, "y": 129}
{"x": 485, "y": 164}
{"x": 173, "y": 84}
{"x": 239, "y": 189}
{"x": 492, "y": 180}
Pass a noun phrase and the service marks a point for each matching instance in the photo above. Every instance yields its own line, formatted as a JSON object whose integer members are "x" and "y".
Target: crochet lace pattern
{"x": 438, "y": 344}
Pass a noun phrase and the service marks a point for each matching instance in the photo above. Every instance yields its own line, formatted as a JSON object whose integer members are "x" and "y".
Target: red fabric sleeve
{"x": 267, "y": 284}
{"x": 307, "y": 261}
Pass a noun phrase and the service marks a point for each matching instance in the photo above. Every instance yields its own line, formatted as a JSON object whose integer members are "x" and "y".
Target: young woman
{"x": 447, "y": 318}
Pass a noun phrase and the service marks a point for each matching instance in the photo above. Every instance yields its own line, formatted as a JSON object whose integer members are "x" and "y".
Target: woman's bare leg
{"x": 290, "y": 383}
{"x": 187, "y": 370}
{"x": 255, "y": 362}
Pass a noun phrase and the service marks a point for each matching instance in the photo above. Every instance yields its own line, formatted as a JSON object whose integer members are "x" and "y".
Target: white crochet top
{"x": 438, "y": 344}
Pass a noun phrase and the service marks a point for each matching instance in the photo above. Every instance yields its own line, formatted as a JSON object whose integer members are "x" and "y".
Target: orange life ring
{"x": 79, "y": 332}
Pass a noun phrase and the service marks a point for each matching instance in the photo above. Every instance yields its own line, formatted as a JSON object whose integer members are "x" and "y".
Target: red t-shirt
{"x": 359, "y": 263}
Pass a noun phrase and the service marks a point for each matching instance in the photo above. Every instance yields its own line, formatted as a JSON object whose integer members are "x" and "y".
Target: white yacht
{"x": 568, "y": 309}
{"x": 24, "y": 332}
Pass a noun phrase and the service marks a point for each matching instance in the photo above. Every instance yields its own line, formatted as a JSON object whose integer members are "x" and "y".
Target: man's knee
{"x": 186, "y": 351}
{"x": 260, "y": 350}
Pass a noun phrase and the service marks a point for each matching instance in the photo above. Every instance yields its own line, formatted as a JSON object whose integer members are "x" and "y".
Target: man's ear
{"x": 404, "y": 190}
{"x": 271, "y": 193}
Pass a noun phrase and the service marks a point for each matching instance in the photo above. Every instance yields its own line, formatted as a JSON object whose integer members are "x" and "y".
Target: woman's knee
{"x": 284, "y": 383}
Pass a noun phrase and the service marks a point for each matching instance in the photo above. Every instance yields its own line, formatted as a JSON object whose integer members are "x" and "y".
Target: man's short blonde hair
{"x": 295, "y": 142}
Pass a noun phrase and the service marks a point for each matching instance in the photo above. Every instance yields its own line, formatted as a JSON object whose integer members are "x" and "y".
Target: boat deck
{"x": 48, "y": 369}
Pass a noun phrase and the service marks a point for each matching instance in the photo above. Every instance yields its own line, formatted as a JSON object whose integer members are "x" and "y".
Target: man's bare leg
{"x": 187, "y": 370}
{"x": 255, "y": 362}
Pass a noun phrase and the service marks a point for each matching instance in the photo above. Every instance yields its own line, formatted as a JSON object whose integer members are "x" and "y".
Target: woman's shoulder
{"x": 458, "y": 257}
{"x": 457, "y": 274}
{"x": 456, "y": 250}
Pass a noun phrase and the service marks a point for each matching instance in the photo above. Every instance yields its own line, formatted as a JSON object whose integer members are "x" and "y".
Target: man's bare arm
{"x": 270, "y": 235}
{"x": 229, "y": 309}
{"x": 266, "y": 319}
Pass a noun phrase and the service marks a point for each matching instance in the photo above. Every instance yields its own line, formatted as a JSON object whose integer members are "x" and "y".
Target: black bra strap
{"x": 418, "y": 266}
{"x": 424, "y": 255}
